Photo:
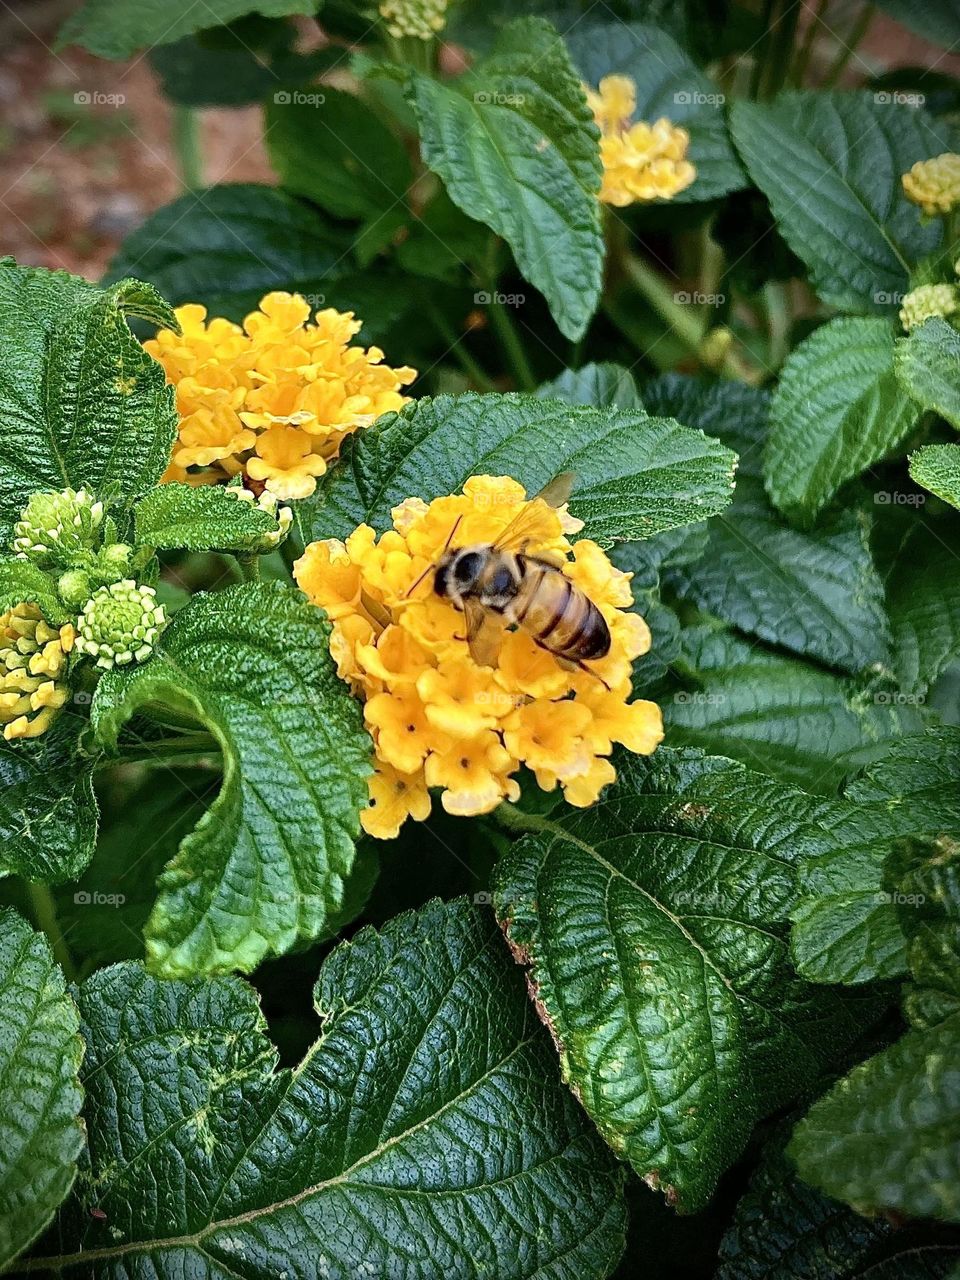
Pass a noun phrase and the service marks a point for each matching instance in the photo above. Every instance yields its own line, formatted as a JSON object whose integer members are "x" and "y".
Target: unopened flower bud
{"x": 55, "y": 527}
{"x": 120, "y": 623}
{"x": 929, "y": 300}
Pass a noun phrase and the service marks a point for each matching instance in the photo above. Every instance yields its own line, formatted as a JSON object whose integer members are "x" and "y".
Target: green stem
{"x": 801, "y": 63}
{"x": 45, "y": 914}
{"x": 512, "y": 344}
{"x": 186, "y": 145}
{"x": 857, "y": 33}
{"x": 459, "y": 352}
{"x": 515, "y": 820}
{"x": 685, "y": 321}
{"x": 783, "y": 36}
{"x": 162, "y": 751}
{"x": 249, "y": 567}
{"x": 778, "y": 321}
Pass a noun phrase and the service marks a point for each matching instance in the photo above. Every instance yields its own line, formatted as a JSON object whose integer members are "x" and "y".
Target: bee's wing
{"x": 555, "y": 493}
{"x": 484, "y": 632}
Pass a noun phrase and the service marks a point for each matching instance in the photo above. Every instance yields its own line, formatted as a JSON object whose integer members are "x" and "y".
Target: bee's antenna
{"x": 430, "y": 567}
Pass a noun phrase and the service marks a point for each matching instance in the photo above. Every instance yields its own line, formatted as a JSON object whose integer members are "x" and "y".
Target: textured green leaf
{"x": 40, "y": 1055}
{"x": 118, "y": 28}
{"x": 782, "y": 716}
{"x": 48, "y": 814}
{"x": 669, "y": 83}
{"x": 837, "y": 409}
{"x": 847, "y": 927}
{"x": 927, "y": 363}
{"x": 336, "y": 152}
{"x": 635, "y": 475}
{"x": 81, "y": 401}
{"x": 784, "y": 1229}
{"x": 921, "y": 565}
{"x": 200, "y": 518}
{"x": 229, "y": 245}
{"x": 603, "y": 385}
{"x": 830, "y": 165}
{"x": 887, "y": 1137}
{"x": 928, "y": 903}
{"x": 236, "y": 65}
{"x": 816, "y": 593}
{"x": 266, "y": 867}
{"x": 515, "y": 144}
{"x": 654, "y": 925}
{"x": 937, "y": 468}
{"x": 424, "y": 1134}
{"x": 936, "y": 20}
{"x": 22, "y": 582}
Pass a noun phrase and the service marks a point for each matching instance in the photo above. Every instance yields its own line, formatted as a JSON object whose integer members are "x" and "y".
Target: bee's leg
{"x": 596, "y": 675}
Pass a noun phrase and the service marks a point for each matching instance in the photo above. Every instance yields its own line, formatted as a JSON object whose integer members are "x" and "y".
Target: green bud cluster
{"x": 54, "y": 528}
{"x": 120, "y": 623}
{"x": 421, "y": 19}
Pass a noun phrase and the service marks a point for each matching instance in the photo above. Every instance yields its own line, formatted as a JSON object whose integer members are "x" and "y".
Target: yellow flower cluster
{"x": 422, "y": 19}
{"x": 33, "y": 656}
{"x": 437, "y": 718}
{"x": 934, "y": 184}
{"x": 929, "y": 300}
{"x": 640, "y": 161}
{"x": 272, "y": 400}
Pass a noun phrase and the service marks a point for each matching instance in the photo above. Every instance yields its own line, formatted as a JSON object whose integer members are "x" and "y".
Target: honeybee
{"x": 496, "y": 585}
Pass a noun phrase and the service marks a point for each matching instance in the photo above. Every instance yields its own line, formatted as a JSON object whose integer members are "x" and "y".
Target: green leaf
{"x": 23, "y": 583}
{"x": 928, "y": 903}
{"x": 603, "y": 385}
{"x": 818, "y": 593}
{"x": 426, "y": 1128}
{"x": 669, "y": 83}
{"x": 927, "y": 363}
{"x": 921, "y": 567}
{"x": 200, "y": 518}
{"x": 782, "y": 716}
{"x": 236, "y": 65}
{"x": 103, "y": 914}
{"x": 118, "y": 28}
{"x": 516, "y": 147}
{"x": 636, "y": 475}
{"x": 846, "y": 923}
{"x": 266, "y": 867}
{"x": 937, "y": 468}
{"x": 48, "y": 813}
{"x": 830, "y": 165}
{"x": 40, "y": 1055}
{"x": 782, "y": 1227}
{"x": 837, "y": 410}
{"x": 654, "y": 925}
{"x": 330, "y": 147}
{"x": 82, "y": 402}
{"x": 935, "y": 20}
{"x": 887, "y": 1137}
{"x": 229, "y": 245}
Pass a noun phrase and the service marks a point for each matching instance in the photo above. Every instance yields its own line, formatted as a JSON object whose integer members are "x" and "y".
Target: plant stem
{"x": 857, "y": 32}
{"x": 801, "y": 64}
{"x": 186, "y": 145}
{"x": 455, "y": 343}
{"x": 685, "y": 321}
{"x": 777, "y": 65}
{"x": 512, "y": 344}
{"x": 45, "y": 914}
{"x": 249, "y": 567}
{"x": 515, "y": 820}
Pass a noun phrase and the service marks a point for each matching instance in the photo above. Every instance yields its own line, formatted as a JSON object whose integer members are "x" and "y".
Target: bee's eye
{"x": 467, "y": 567}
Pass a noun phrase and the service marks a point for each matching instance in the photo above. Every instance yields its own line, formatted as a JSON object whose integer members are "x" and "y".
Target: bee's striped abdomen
{"x": 559, "y": 616}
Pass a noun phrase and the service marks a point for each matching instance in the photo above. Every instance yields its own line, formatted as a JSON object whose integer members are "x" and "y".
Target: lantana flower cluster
{"x": 641, "y": 161}
{"x": 934, "y": 184}
{"x": 437, "y": 718}
{"x": 271, "y": 400}
{"x": 421, "y": 19}
{"x": 33, "y": 660}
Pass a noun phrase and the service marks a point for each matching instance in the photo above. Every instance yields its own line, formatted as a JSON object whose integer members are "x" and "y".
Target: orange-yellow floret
{"x": 272, "y": 399}
{"x": 437, "y": 718}
{"x": 33, "y": 660}
{"x": 641, "y": 161}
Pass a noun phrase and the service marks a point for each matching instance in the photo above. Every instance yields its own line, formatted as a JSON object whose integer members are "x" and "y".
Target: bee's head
{"x": 458, "y": 571}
